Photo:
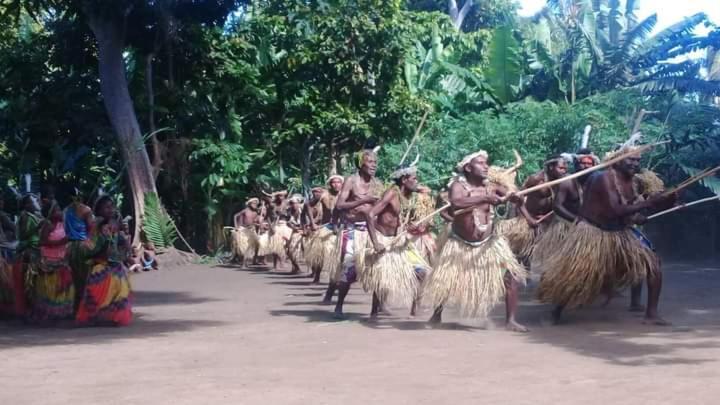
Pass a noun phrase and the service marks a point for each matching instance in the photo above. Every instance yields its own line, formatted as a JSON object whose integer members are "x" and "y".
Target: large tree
{"x": 117, "y": 25}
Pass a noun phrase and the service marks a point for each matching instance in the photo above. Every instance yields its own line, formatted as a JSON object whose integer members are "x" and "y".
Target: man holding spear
{"x": 476, "y": 267}
{"x": 602, "y": 253}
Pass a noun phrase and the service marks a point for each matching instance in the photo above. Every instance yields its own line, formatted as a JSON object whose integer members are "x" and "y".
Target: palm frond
{"x": 157, "y": 225}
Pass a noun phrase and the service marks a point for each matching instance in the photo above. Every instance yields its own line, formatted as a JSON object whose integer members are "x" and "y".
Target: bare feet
{"x": 513, "y": 326}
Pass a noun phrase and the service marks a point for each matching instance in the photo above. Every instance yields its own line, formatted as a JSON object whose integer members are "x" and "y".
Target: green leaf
{"x": 504, "y": 70}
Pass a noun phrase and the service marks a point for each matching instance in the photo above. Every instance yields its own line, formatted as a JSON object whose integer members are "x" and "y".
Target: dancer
{"x": 53, "y": 290}
{"x": 566, "y": 205}
{"x": 79, "y": 225}
{"x": 602, "y": 253}
{"x": 106, "y": 300}
{"x": 476, "y": 267}
{"x": 245, "y": 237}
{"x": 395, "y": 270}
{"x": 317, "y": 217}
{"x": 522, "y": 231}
{"x": 360, "y": 191}
{"x": 294, "y": 244}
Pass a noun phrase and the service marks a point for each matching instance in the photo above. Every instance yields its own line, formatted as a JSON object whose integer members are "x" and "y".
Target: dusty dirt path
{"x": 229, "y": 336}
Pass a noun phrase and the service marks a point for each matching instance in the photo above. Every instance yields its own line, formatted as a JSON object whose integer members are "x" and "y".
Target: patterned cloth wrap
{"x": 354, "y": 238}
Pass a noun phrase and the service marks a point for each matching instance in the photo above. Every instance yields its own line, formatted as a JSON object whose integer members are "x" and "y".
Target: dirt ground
{"x": 224, "y": 335}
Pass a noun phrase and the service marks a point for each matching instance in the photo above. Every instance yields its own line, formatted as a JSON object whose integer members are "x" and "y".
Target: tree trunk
{"x": 156, "y": 146}
{"x": 121, "y": 112}
{"x": 458, "y": 15}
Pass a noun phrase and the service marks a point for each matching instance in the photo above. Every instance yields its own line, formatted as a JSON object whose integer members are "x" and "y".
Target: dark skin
{"x": 295, "y": 210}
{"x": 355, "y": 200}
{"x": 540, "y": 203}
{"x": 603, "y": 205}
{"x": 568, "y": 194}
{"x": 384, "y": 217}
{"x": 336, "y": 186}
{"x": 319, "y": 214}
{"x": 247, "y": 217}
{"x": 483, "y": 198}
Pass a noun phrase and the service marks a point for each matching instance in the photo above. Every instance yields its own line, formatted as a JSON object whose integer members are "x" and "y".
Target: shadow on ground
{"x": 18, "y": 334}
{"x": 611, "y": 334}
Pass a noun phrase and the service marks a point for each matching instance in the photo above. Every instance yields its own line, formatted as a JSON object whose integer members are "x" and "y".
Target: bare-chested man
{"x": 602, "y": 253}
{"x": 396, "y": 268}
{"x": 359, "y": 192}
{"x": 294, "y": 243}
{"x": 476, "y": 268}
{"x": 568, "y": 198}
{"x": 245, "y": 232}
{"x": 317, "y": 214}
{"x": 540, "y": 203}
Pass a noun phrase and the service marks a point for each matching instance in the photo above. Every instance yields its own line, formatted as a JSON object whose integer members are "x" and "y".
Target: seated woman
{"x": 53, "y": 290}
{"x": 106, "y": 298}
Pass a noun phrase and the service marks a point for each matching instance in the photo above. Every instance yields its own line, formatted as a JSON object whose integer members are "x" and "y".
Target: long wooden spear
{"x": 692, "y": 180}
{"x": 415, "y": 137}
{"x": 681, "y": 206}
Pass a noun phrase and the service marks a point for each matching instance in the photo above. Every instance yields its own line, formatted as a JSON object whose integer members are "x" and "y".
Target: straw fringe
{"x": 319, "y": 247}
{"x": 472, "y": 277}
{"x": 591, "y": 262}
{"x": 279, "y": 240}
{"x": 295, "y": 246}
{"x": 549, "y": 241}
{"x": 648, "y": 183}
{"x": 245, "y": 241}
{"x": 264, "y": 244}
{"x": 360, "y": 243}
{"x": 518, "y": 234}
{"x": 391, "y": 274}
{"x": 501, "y": 177}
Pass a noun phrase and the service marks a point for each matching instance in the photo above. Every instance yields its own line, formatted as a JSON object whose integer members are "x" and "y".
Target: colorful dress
{"x": 53, "y": 290}
{"x": 107, "y": 295}
{"x": 26, "y": 261}
{"x": 80, "y": 250}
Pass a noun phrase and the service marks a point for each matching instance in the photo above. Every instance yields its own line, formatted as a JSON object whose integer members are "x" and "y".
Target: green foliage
{"x": 505, "y": 69}
{"x": 157, "y": 225}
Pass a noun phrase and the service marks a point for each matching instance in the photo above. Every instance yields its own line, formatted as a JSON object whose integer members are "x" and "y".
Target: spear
{"x": 681, "y": 206}
{"x": 415, "y": 137}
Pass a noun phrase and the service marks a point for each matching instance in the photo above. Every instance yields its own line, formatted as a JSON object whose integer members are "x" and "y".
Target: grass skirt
{"x": 518, "y": 234}
{"x": 295, "y": 247}
{"x": 471, "y": 277}
{"x": 592, "y": 261}
{"x": 263, "y": 245}
{"x": 53, "y": 292}
{"x": 107, "y": 296}
{"x": 395, "y": 274}
{"x": 319, "y": 247}
{"x": 549, "y": 241}
{"x": 245, "y": 241}
{"x": 351, "y": 262}
{"x": 279, "y": 240}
